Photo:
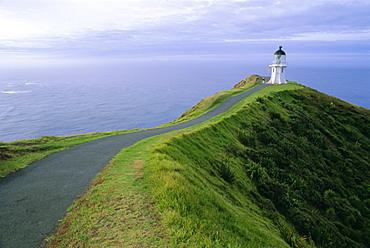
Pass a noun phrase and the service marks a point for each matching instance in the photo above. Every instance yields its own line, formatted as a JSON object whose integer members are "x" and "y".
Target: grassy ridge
{"x": 292, "y": 166}
{"x": 116, "y": 183}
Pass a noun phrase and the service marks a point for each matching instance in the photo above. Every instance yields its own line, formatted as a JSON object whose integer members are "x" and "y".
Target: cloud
{"x": 114, "y": 27}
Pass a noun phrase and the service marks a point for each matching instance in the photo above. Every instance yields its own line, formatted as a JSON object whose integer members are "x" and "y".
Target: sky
{"x": 36, "y": 30}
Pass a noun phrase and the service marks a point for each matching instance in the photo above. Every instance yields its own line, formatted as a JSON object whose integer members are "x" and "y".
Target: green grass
{"x": 116, "y": 209}
{"x": 294, "y": 170}
{"x": 168, "y": 230}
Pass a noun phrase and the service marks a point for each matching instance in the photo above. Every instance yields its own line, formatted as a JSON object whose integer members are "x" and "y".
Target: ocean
{"x": 98, "y": 97}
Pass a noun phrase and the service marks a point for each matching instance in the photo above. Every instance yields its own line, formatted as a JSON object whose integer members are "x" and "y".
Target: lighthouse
{"x": 278, "y": 68}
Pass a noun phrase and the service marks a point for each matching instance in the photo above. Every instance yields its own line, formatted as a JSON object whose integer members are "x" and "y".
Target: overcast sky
{"x": 86, "y": 29}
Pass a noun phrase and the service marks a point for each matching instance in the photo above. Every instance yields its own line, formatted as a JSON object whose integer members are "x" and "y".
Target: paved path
{"x": 33, "y": 199}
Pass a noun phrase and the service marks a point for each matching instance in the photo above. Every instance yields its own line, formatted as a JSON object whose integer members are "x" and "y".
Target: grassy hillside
{"x": 293, "y": 162}
{"x": 287, "y": 167}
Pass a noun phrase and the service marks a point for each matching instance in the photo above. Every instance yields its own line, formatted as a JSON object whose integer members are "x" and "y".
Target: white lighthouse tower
{"x": 278, "y": 68}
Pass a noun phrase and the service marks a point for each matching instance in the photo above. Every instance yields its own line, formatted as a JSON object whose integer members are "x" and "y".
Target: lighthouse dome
{"x": 279, "y": 52}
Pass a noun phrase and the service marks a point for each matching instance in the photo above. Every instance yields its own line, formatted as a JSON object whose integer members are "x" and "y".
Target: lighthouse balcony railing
{"x": 282, "y": 63}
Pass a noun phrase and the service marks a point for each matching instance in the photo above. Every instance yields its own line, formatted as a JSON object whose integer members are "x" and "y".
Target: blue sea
{"x": 80, "y": 98}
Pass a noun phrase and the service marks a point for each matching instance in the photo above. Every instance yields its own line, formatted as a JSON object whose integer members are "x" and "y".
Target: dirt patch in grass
{"x": 138, "y": 164}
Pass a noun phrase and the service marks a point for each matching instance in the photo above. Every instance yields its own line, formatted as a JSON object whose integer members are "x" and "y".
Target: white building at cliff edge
{"x": 278, "y": 68}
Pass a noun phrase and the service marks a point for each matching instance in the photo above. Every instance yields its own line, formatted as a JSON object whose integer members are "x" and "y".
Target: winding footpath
{"x": 33, "y": 199}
